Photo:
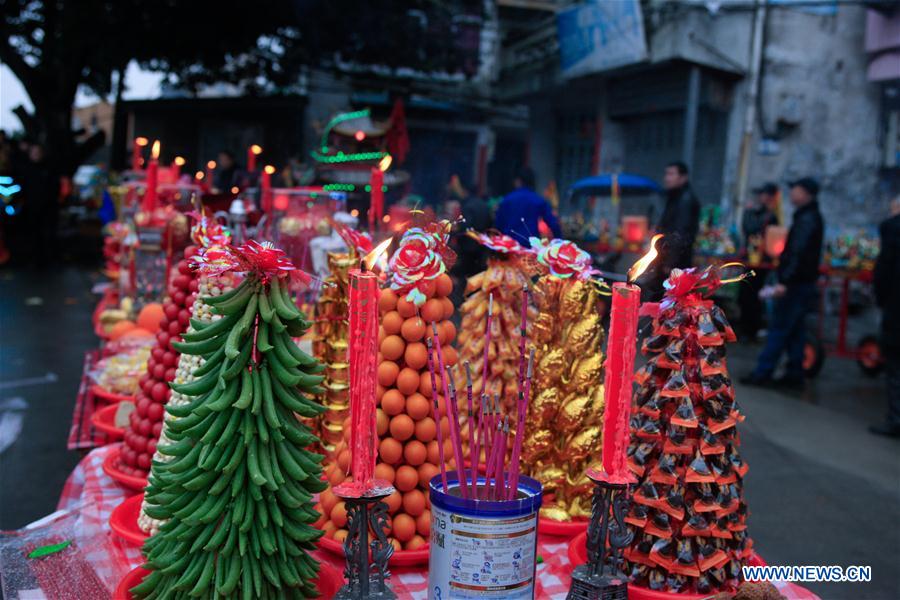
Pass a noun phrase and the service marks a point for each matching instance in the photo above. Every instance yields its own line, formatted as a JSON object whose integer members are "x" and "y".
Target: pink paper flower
{"x": 563, "y": 258}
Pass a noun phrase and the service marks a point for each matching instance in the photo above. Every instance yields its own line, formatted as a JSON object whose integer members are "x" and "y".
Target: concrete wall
{"x": 816, "y": 103}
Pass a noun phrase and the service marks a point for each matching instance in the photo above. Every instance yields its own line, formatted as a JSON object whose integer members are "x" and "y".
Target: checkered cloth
{"x": 95, "y": 495}
{"x": 82, "y": 434}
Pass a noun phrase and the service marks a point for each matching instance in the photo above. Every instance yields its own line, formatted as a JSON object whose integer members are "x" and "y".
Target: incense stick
{"x": 454, "y": 431}
{"x": 522, "y": 332}
{"x": 521, "y": 410}
{"x": 473, "y": 439}
{"x": 437, "y": 416}
{"x": 485, "y": 370}
{"x": 455, "y": 435}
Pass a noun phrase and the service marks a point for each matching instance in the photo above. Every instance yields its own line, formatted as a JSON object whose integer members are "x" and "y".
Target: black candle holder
{"x": 366, "y": 580}
{"x": 607, "y": 536}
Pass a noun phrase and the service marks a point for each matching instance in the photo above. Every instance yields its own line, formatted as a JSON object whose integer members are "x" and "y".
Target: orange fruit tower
{"x": 408, "y": 454}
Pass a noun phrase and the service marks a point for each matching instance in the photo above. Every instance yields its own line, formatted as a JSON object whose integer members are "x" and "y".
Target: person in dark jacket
{"x": 521, "y": 209}
{"x": 797, "y": 273}
{"x": 887, "y": 293}
{"x": 679, "y": 223}
{"x": 757, "y": 217}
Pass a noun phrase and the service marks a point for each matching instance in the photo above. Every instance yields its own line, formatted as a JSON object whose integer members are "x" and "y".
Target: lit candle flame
{"x": 154, "y": 152}
{"x": 141, "y": 141}
{"x": 638, "y": 268}
{"x": 211, "y": 164}
{"x": 256, "y": 149}
{"x": 179, "y": 160}
{"x": 385, "y": 163}
{"x": 199, "y": 175}
{"x": 269, "y": 169}
{"x": 372, "y": 257}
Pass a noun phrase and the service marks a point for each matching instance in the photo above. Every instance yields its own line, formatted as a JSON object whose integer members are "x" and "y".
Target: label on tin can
{"x": 474, "y": 557}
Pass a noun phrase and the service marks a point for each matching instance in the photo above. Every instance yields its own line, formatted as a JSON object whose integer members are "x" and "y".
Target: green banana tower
{"x": 236, "y": 497}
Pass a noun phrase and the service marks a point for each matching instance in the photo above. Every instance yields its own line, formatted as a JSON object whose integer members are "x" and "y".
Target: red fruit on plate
{"x": 163, "y": 338}
{"x": 168, "y": 357}
{"x": 143, "y": 461}
{"x": 140, "y": 444}
{"x": 184, "y": 316}
{"x": 148, "y": 386}
{"x": 171, "y": 310}
{"x": 170, "y": 374}
{"x": 128, "y": 457}
{"x": 157, "y": 429}
{"x": 159, "y": 393}
{"x": 190, "y": 251}
{"x": 181, "y": 282}
{"x": 151, "y": 447}
{"x": 184, "y": 267}
{"x": 155, "y": 411}
{"x": 142, "y": 405}
{"x": 179, "y": 297}
{"x": 174, "y": 327}
{"x": 157, "y": 353}
{"x": 194, "y": 286}
{"x": 145, "y": 427}
{"x": 159, "y": 372}
{"x": 133, "y": 420}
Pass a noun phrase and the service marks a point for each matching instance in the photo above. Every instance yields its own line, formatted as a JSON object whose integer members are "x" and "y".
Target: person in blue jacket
{"x": 521, "y": 209}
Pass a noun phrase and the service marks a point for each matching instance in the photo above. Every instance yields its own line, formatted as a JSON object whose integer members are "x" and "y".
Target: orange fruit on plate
{"x": 120, "y": 328}
{"x": 387, "y": 300}
{"x": 392, "y": 322}
{"x": 136, "y": 332}
{"x": 151, "y": 316}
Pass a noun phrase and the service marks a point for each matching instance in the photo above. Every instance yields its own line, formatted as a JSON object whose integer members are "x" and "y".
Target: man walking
{"x": 797, "y": 272}
{"x": 887, "y": 293}
{"x": 521, "y": 209}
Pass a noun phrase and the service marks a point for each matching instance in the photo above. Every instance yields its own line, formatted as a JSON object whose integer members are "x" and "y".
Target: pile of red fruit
{"x": 145, "y": 423}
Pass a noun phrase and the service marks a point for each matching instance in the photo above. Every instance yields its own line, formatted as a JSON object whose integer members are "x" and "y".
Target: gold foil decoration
{"x": 565, "y": 417}
{"x": 330, "y": 347}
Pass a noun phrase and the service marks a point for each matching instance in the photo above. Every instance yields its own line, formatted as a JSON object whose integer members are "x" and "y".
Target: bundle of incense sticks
{"x": 489, "y": 428}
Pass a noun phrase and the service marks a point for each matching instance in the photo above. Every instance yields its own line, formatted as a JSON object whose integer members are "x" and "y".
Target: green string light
{"x": 339, "y": 187}
{"x": 341, "y": 157}
{"x": 340, "y": 119}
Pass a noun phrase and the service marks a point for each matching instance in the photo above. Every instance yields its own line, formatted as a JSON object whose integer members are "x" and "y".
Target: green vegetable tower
{"x": 236, "y": 496}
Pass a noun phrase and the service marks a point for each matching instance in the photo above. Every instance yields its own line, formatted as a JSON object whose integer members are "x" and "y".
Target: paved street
{"x": 821, "y": 489}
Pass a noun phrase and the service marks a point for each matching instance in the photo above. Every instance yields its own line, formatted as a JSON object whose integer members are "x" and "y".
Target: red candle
{"x": 136, "y": 150}
{"x": 620, "y": 352}
{"x": 265, "y": 186}
{"x": 152, "y": 179}
{"x": 363, "y": 358}
{"x": 363, "y": 355}
{"x": 210, "y": 167}
{"x": 252, "y": 152}
{"x": 376, "y": 203}
{"x": 175, "y": 167}
{"x": 623, "y": 318}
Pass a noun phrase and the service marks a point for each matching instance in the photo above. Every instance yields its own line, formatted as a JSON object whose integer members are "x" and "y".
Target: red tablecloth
{"x": 94, "y": 495}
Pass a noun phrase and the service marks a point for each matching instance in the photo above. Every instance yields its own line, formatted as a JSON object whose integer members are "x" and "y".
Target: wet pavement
{"x": 821, "y": 489}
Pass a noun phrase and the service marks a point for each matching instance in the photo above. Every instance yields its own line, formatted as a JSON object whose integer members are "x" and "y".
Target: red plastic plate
{"x": 578, "y": 555}
{"x": 567, "y": 529}
{"x": 328, "y": 582}
{"x": 124, "y": 520}
{"x": 101, "y": 394}
{"x": 104, "y": 420}
{"x": 110, "y": 467}
{"x": 401, "y": 558}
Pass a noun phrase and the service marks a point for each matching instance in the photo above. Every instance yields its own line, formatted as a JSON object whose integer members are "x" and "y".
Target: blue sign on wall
{"x": 600, "y": 35}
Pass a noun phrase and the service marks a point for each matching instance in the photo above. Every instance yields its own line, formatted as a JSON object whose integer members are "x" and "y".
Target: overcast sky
{"x": 141, "y": 85}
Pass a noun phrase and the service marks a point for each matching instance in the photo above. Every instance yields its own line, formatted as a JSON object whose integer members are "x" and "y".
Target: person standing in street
{"x": 679, "y": 223}
{"x": 887, "y": 293}
{"x": 795, "y": 291}
{"x": 757, "y": 217}
{"x": 521, "y": 209}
